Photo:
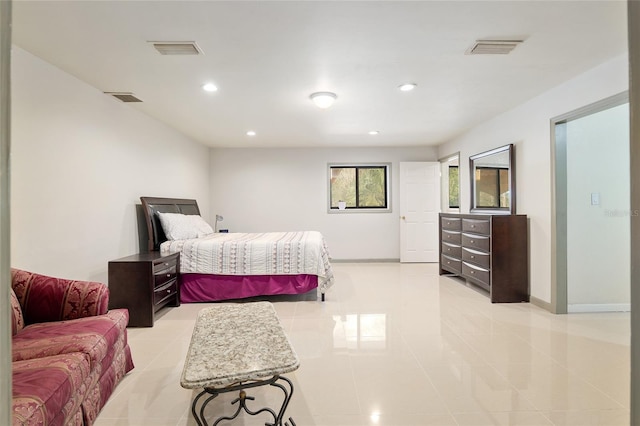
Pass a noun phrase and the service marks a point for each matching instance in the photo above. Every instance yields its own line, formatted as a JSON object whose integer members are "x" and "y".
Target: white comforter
{"x": 271, "y": 253}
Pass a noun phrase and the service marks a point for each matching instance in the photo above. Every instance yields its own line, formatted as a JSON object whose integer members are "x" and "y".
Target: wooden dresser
{"x": 144, "y": 283}
{"x": 490, "y": 251}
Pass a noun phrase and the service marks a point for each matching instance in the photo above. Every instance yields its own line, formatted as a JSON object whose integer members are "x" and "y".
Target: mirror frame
{"x": 512, "y": 182}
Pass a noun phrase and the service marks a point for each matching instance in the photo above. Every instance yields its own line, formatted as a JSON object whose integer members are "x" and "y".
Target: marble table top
{"x": 234, "y": 343}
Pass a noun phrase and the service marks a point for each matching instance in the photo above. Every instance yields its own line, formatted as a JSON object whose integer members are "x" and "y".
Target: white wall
{"x": 528, "y": 127}
{"x": 80, "y": 161}
{"x": 598, "y": 245}
{"x": 258, "y": 190}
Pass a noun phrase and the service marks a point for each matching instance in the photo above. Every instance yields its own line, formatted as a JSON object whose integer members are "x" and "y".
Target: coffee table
{"x": 235, "y": 347}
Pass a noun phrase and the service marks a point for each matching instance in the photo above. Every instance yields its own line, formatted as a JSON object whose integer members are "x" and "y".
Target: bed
{"x": 225, "y": 266}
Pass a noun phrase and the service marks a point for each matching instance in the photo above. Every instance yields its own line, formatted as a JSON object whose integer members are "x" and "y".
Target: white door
{"x": 419, "y": 208}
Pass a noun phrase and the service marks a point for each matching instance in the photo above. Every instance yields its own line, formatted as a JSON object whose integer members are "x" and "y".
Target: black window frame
{"x": 386, "y": 167}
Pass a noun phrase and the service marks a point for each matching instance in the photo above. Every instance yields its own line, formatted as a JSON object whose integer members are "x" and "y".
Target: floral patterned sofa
{"x": 69, "y": 350}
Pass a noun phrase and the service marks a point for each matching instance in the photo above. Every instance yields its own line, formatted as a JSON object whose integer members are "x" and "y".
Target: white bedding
{"x": 271, "y": 253}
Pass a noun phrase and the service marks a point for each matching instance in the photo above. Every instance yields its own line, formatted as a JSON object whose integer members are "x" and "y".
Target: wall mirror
{"x": 493, "y": 181}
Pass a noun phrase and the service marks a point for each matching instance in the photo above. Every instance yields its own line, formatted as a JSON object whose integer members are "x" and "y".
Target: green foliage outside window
{"x": 454, "y": 187}
{"x": 359, "y": 186}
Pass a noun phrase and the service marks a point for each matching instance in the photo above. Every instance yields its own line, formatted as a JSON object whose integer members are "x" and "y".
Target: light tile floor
{"x": 396, "y": 344}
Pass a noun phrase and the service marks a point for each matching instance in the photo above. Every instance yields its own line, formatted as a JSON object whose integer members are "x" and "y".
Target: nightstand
{"x": 144, "y": 283}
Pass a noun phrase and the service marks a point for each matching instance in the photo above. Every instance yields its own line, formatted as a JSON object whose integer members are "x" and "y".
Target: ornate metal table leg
{"x": 242, "y": 402}
{"x": 287, "y": 398}
{"x": 200, "y": 420}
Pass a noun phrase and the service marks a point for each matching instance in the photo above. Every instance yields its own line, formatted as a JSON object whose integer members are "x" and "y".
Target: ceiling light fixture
{"x": 251, "y": 133}
{"x": 210, "y": 87}
{"x": 323, "y": 99}
{"x": 407, "y": 87}
{"x": 374, "y": 132}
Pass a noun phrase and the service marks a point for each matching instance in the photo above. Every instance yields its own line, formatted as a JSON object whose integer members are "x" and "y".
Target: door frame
{"x": 559, "y": 281}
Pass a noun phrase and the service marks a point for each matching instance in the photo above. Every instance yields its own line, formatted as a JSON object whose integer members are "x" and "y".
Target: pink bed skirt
{"x": 211, "y": 288}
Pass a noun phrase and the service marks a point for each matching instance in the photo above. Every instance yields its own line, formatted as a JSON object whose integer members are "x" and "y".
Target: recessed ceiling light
{"x": 251, "y": 133}
{"x": 323, "y": 99}
{"x": 210, "y": 87}
{"x": 374, "y": 132}
{"x": 407, "y": 87}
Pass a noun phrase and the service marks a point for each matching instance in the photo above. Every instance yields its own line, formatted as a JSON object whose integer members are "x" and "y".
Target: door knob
{"x": 403, "y": 218}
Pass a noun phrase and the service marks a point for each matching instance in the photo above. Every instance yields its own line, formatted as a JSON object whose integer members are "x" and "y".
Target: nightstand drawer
{"x": 162, "y": 276}
{"x": 162, "y": 293}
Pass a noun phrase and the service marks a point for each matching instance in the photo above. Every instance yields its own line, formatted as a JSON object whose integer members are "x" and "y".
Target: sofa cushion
{"x": 93, "y": 336}
{"x": 49, "y": 390}
{"x": 17, "y": 320}
{"x": 45, "y": 298}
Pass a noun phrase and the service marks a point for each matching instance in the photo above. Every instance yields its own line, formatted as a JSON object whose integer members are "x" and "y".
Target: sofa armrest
{"x": 45, "y": 299}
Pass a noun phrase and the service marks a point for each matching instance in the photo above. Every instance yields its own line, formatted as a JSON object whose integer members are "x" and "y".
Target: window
{"x": 454, "y": 188}
{"x": 359, "y": 187}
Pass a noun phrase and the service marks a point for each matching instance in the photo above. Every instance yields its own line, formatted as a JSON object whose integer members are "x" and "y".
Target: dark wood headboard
{"x": 153, "y": 205}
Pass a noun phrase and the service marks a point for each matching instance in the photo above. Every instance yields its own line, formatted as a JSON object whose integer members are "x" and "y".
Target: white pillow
{"x": 202, "y": 227}
{"x": 177, "y": 226}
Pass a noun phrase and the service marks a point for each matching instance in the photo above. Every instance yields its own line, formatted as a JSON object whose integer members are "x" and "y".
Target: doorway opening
{"x": 590, "y": 245}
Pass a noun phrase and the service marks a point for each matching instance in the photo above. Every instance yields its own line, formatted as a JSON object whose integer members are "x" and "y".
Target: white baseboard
{"x": 598, "y": 307}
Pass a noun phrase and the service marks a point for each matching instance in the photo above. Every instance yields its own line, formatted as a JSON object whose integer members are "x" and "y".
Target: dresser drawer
{"x": 164, "y": 273}
{"x": 476, "y": 257}
{"x": 476, "y": 273}
{"x": 452, "y": 250}
{"x": 451, "y": 237}
{"x": 165, "y": 291}
{"x": 451, "y": 223}
{"x": 451, "y": 264}
{"x": 480, "y": 226}
{"x": 478, "y": 242}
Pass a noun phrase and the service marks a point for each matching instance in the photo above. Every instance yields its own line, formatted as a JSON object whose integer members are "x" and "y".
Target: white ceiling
{"x": 267, "y": 57}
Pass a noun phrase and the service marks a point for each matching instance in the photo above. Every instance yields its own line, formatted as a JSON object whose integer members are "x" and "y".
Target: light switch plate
{"x": 595, "y": 198}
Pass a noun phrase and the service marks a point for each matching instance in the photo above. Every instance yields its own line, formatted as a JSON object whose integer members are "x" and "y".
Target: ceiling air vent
{"x": 176, "y": 47}
{"x": 492, "y": 47}
{"x": 123, "y": 96}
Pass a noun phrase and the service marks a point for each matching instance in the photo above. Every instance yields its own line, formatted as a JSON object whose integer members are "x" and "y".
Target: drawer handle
{"x": 473, "y": 272}
{"x": 169, "y": 291}
{"x": 448, "y": 263}
{"x": 471, "y": 241}
{"x": 473, "y": 257}
{"x": 168, "y": 275}
{"x": 166, "y": 264}
{"x": 473, "y": 226}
